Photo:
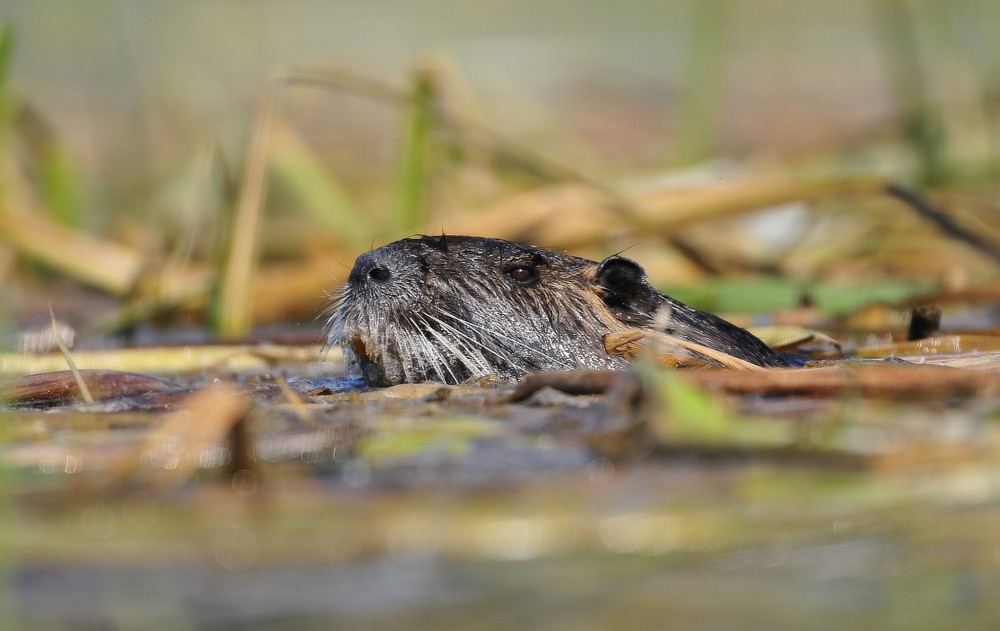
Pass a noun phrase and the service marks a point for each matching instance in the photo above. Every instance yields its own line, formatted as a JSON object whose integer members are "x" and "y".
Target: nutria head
{"x": 451, "y": 308}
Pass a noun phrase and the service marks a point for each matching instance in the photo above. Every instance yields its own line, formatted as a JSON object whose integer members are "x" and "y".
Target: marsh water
{"x": 452, "y": 507}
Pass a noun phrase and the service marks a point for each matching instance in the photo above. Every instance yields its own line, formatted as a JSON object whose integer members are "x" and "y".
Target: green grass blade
{"x": 296, "y": 167}
{"x": 413, "y": 172}
{"x": 896, "y": 29}
{"x": 703, "y": 80}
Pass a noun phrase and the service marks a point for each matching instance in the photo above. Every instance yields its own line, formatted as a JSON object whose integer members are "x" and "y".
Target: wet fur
{"x": 452, "y": 308}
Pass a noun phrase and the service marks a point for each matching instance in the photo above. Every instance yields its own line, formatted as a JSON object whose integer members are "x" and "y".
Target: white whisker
{"x": 426, "y": 358}
{"x": 475, "y": 368}
{"x": 529, "y": 350}
{"x": 479, "y": 344}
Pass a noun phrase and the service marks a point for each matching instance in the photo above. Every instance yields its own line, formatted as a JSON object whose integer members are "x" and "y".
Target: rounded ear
{"x": 625, "y": 289}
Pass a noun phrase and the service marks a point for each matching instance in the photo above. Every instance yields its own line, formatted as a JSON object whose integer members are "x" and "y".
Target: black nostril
{"x": 377, "y": 267}
{"x": 379, "y": 274}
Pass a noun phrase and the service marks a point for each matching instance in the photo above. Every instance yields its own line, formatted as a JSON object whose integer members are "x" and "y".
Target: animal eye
{"x": 522, "y": 274}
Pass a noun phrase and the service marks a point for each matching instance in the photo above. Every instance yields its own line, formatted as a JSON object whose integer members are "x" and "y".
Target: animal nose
{"x": 371, "y": 266}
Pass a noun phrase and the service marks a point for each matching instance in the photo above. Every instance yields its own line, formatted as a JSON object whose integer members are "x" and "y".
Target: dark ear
{"x": 623, "y": 287}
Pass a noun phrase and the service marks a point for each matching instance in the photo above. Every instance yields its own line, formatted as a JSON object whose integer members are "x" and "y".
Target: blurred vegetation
{"x": 132, "y": 162}
{"x": 216, "y": 166}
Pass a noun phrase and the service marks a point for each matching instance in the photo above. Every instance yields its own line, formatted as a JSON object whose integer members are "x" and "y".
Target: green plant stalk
{"x": 58, "y": 186}
{"x": 759, "y": 294}
{"x": 990, "y": 94}
{"x": 921, "y": 117}
{"x": 413, "y": 170}
{"x": 702, "y": 82}
{"x": 6, "y": 45}
{"x": 967, "y": 65}
{"x": 295, "y": 165}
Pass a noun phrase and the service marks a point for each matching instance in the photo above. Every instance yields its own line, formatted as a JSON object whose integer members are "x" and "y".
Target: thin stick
{"x": 943, "y": 221}
{"x": 84, "y": 390}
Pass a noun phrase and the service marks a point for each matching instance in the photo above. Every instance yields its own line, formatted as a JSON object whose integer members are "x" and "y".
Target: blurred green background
{"x": 133, "y": 89}
{"x": 133, "y": 121}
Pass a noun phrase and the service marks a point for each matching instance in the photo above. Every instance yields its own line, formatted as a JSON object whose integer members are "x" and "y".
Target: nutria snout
{"x": 451, "y": 308}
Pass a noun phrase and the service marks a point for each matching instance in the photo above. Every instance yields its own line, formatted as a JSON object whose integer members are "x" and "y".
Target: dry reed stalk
{"x": 173, "y": 359}
{"x": 634, "y": 344}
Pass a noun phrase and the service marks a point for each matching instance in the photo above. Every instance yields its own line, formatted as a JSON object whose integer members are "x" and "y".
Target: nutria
{"x": 451, "y": 308}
